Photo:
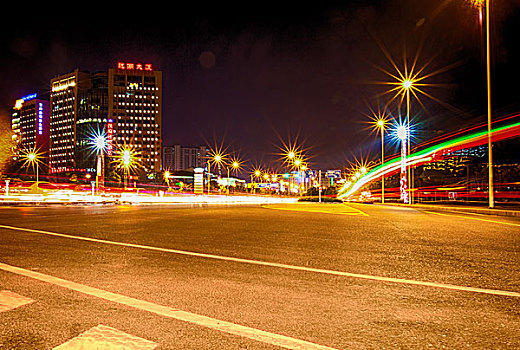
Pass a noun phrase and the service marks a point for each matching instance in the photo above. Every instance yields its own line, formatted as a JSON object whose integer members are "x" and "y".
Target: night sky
{"x": 253, "y": 76}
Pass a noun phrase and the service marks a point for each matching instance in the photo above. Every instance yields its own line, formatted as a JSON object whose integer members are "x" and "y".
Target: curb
{"x": 485, "y": 211}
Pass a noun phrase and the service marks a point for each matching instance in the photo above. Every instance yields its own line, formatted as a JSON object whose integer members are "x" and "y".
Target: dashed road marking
{"x": 200, "y": 320}
{"x": 278, "y": 265}
{"x": 341, "y": 209}
{"x": 10, "y": 300}
{"x": 106, "y": 338}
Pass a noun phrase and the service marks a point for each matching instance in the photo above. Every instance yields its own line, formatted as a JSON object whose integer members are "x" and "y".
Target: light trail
{"x": 431, "y": 154}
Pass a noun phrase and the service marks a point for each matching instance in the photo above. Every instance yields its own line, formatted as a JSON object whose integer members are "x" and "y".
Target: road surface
{"x": 296, "y": 276}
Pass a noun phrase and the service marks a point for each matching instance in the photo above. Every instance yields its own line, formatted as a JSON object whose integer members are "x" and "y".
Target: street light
{"x": 479, "y": 4}
{"x": 128, "y": 159}
{"x": 378, "y": 122}
{"x": 256, "y": 173}
{"x": 32, "y": 157}
{"x": 409, "y": 79}
{"x": 407, "y": 85}
{"x": 235, "y": 165}
{"x": 402, "y": 134}
{"x": 381, "y": 125}
{"x": 99, "y": 144}
{"x": 167, "y": 178}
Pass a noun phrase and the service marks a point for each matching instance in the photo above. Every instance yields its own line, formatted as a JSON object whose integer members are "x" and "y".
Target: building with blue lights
{"x": 30, "y": 125}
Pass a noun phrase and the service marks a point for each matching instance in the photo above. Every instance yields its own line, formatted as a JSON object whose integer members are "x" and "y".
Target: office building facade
{"x": 65, "y": 92}
{"x": 135, "y": 106}
{"x": 123, "y": 104}
{"x": 30, "y": 125}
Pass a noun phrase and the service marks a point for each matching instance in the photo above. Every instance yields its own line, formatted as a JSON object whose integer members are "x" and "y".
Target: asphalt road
{"x": 301, "y": 276}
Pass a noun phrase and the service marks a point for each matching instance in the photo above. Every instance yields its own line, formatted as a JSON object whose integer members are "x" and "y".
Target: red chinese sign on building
{"x": 110, "y": 137}
{"x": 134, "y": 66}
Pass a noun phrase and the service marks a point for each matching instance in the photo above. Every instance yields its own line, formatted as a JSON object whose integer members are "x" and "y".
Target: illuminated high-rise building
{"x": 135, "y": 106}
{"x": 92, "y": 121}
{"x": 30, "y": 125}
{"x": 124, "y": 105}
{"x": 65, "y": 92}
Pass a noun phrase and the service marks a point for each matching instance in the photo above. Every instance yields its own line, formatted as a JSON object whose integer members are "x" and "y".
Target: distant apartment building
{"x": 30, "y": 125}
{"x": 177, "y": 158}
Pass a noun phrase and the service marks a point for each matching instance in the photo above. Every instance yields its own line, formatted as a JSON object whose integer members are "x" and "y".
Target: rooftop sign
{"x": 134, "y": 66}
{"x": 19, "y": 102}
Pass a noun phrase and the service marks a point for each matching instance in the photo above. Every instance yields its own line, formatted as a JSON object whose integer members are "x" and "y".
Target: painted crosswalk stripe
{"x": 10, "y": 300}
{"x": 105, "y": 337}
{"x": 166, "y": 311}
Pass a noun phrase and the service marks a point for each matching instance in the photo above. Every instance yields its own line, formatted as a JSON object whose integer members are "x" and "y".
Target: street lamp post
{"x": 100, "y": 145}
{"x": 257, "y": 173}
{"x": 407, "y": 84}
{"x": 209, "y": 178}
{"x": 488, "y": 75}
{"x": 381, "y": 125}
{"x": 402, "y": 134}
{"x": 33, "y": 159}
{"x": 167, "y": 178}
{"x": 235, "y": 165}
{"x": 126, "y": 163}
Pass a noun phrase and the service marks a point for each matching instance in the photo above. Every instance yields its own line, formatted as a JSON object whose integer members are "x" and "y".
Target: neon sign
{"x": 40, "y": 118}
{"x": 134, "y": 66}
{"x": 110, "y": 137}
{"x": 18, "y": 104}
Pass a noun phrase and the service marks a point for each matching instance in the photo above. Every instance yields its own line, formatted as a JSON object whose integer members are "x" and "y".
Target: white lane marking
{"x": 10, "y": 300}
{"x": 200, "y": 320}
{"x": 471, "y": 218}
{"x": 105, "y": 337}
{"x": 278, "y": 265}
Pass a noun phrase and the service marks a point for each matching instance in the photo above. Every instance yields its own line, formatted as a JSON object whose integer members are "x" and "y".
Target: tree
{"x": 6, "y": 144}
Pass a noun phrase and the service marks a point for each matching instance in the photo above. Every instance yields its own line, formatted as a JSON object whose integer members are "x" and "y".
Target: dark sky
{"x": 255, "y": 75}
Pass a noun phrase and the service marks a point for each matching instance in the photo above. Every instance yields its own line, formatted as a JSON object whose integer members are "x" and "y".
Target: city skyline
{"x": 254, "y": 81}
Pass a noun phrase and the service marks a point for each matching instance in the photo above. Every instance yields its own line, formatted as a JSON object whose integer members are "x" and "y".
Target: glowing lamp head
{"x": 31, "y": 156}
{"x": 99, "y": 142}
{"x": 407, "y": 84}
{"x": 297, "y": 162}
{"x": 381, "y": 123}
{"x": 126, "y": 157}
{"x": 235, "y": 164}
{"x": 401, "y": 132}
{"x": 257, "y": 173}
{"x": 166, "y": 174}
{"x": 291, "y": 155}
{"x": 363, "y": 170}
